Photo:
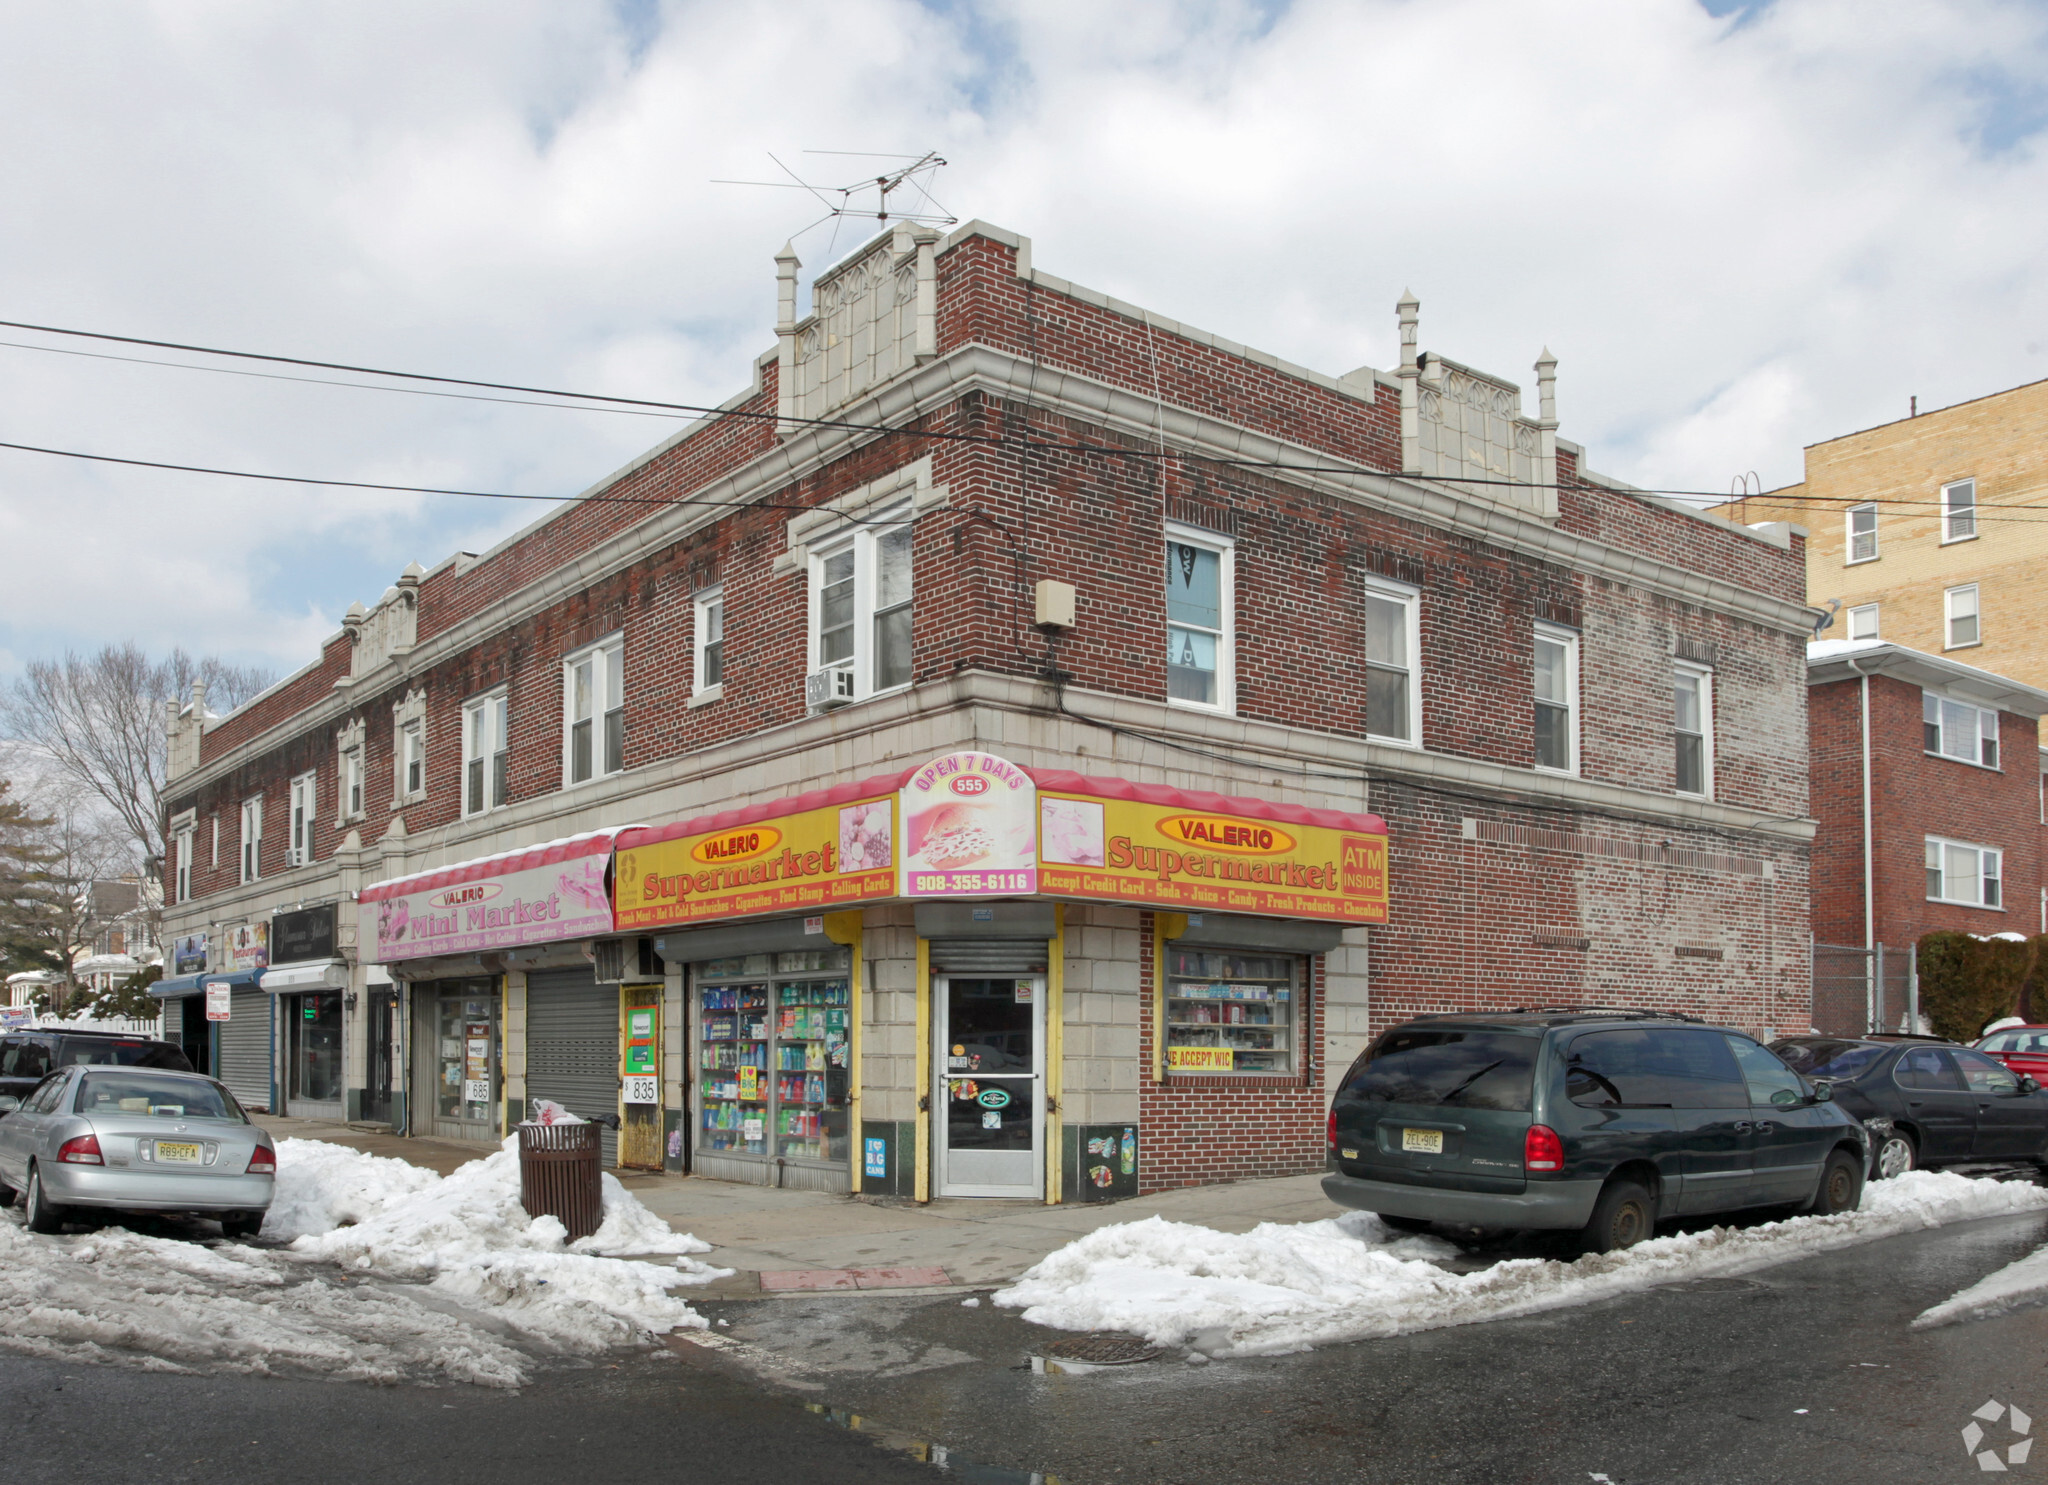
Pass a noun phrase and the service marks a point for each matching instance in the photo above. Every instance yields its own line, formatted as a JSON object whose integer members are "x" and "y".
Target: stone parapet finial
{"x": 786, "y": 265}
{"x": 1409, "y": 310}
{"x": 1546, "y": 425}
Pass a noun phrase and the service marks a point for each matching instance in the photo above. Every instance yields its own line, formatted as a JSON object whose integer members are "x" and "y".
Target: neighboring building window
{"x": 252, "y": 839}
{"x": 484, "y": 754}
{"x": 412, "y": 758}
{"x": 1955, "y": 729}
{"x": 1959, "y": 511}
{"x": 351, "y": 785}
{"x": 1959, "y": 609}
{"x": 1863, "y": 621}
{"x": 187, "y": 844}
{"x": 1693, "y": 724}
{"x": 1199, "y": 643}
{"x": 1862, "y": 523}
{"x": 594, "y": 702}
{"x": 710, "y": 641}
{"x": 305, "y": 791}
{"x": 861, "y": 610}
{"x": 1557, "y": 699}
{"x": 1962, "y": 873}
{"x": 1393, "y": 649}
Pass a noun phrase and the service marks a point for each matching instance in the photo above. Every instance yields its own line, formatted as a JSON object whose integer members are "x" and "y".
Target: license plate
{"x": 1423, "y": 1141}
{"x": 176, "y": 1154}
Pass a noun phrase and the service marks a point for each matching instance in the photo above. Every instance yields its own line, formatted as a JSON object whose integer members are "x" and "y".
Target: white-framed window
{"x": 710, "y": 642}
{"x": 1557, "y": 698}
{"x": 594, "y": 712}
{"x": 485, "y": 754}
{"x": 1958, "y": 511}
{"x": 1960, "y": 872}
{"x": 351, "y": 783}
{"x": 1393, "y": 663}
{"x": 252, "y": 839}
{"x": 215, "y": 817}
{"x": 305, "y": 793}
{"x": 1863, "y": 621}
{"x": 861, "y": 607}
{"x": 412, "y": 758}
{"x": 1201, "y": 642}
{"x": 1861, "y": 532}
{"x": 1955, "y": 729}
{"x": 1962, "y": 624}
{"x": 187, "y": 845}
{"x": 1693, "y": 728}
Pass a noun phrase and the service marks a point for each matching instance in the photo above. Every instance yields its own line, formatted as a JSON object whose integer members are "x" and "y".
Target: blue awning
{"x": 183, "y": 985}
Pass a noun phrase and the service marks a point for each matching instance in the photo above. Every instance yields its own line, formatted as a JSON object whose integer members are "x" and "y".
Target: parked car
{"x": 29, "y": 1056}
{"x": 105, "y": 1136}
{"x": 1600, "y": 1121}
{"x": 2024, "y": 1049}
{"x": 1927, "y": 1102}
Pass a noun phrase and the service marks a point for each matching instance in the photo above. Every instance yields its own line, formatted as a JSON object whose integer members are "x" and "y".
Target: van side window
{"x": 25, "y": 1059}
{"x": 1771, "y": 1083}
{"x": 1653, "y": 1068}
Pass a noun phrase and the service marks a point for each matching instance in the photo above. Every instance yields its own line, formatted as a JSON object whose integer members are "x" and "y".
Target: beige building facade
{"x": 1931, "y": 532}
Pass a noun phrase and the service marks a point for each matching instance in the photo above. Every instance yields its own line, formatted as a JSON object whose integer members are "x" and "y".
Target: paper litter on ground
{"x": 2021, "y": 1283}
{"x": 1288, "y": 1287}
{"x": 441, "y": 1279}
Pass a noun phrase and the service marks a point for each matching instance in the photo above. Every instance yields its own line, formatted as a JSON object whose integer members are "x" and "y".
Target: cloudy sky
{"x": 1742, "y": 227}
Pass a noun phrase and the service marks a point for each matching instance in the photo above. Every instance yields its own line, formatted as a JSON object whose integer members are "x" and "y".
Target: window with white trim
{"x": 1393, "y": 652}
{"x": 187, "y": 844}
{"x": 304, "y": 804}
{"x": 1693, "y": 728}
{"x": 1962, "y": 623}
{"x": 1963, "y": 873}
{"x": 1860, "y": 531}
{"x": 485, "y": 754}
{"x": 1200, "y": 642}
{"x": 1557, "y": 698}
{"x": 1958, "y": 511}
{"x": 252, "y": 839}
{"x": 1863, "y": 621}
{"x": 351, "y": 784}
{"x": 1955, "y": 729}
{"x": 412, "y": 758}
{"x": 861, "y": 608}
{"x": 594, "y": 712}
{"x": 710, "y": 641}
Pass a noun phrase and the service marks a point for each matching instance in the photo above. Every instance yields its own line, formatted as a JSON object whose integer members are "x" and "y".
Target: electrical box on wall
{"x": 1055, "y": 608}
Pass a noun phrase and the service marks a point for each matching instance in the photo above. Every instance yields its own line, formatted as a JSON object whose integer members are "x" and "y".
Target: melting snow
{"x": 1287, "y": 1287}
{"x": 489, "y": 1287}
{"x": 2024, "y": 1282}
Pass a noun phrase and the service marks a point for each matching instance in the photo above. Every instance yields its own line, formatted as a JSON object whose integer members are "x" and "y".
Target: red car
{"x": 2024, "y": 1049}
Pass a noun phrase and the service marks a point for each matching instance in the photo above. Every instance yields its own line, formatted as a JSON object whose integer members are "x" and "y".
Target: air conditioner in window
{"x": 825, "y": 689}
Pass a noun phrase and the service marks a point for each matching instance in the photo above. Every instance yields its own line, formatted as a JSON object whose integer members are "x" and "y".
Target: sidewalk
{"x": 802, "y": 1242}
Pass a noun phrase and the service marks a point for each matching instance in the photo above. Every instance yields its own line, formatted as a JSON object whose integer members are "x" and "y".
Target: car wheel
{"x": 1840, "y": 1189}
{"x": 1404, "y": 1224}
{"x": 44, "y": 1215}
{"x": 1623, "y": 1217}
{"x": 1896, "y": 1154}
{"x": 240, "y": 1225}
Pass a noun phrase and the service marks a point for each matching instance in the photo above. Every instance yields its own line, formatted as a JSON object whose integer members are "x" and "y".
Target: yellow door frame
{"x": 845, "y": 928}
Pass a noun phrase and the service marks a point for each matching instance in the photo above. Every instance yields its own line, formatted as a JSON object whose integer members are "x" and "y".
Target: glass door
{"x": 989, "y": 1102}
{"x": 461, "y": 1063}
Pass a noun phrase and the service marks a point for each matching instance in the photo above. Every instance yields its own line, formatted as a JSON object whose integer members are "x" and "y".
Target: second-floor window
{"x": 305, "y": 792}
{"x": 710, "y": 672}
{"x": 861, "y": 610}
{"x": 187, "y": 843}
{"x": 352, "y": 783}
{"x": 1962, "y": 622}
{"x": 1863, "y": 621}
{"x": 594, "y": 704}
{"x": 1393, "y": 709}
{"x": 1959, "y": 511}
{"x": 1862, "y": 533}
{"x": 1960, "y": 872}
{"x": 1693, "y": 728}
{"x": 484, "y": 754}
{"x": 252, "y": 839}
{"x": 1200, "y": 644}
{"x": 1955, "y": 729}
{"x": 1557, "y": 698}
{"x": 412, "y": 758}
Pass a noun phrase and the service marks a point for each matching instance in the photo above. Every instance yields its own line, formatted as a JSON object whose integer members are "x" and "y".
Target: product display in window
{"x": 1230, "y": 1013}
{"x": 775, "y": 1052}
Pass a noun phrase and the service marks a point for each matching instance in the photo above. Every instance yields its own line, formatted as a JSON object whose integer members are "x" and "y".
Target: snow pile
{"x": 1287, "y": 1287}
{"x": 321, "y": 1187}
{"x": 2024, "y": 1282}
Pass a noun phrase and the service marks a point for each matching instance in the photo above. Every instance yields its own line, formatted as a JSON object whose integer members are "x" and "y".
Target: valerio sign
{"x": 542, "y": 895}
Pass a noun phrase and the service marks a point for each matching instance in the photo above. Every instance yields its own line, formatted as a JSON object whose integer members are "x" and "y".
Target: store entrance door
{"x": 988, "y": 1103}
{"x": 382, "y": 1062}
{"x": 457, "y": 1060}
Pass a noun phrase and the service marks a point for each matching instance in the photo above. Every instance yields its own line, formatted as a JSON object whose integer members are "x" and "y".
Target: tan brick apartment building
{"x": 1019, "y": 745}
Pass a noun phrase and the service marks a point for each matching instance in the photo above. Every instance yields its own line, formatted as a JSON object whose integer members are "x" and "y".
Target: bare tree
{"x": 100, "y": 721}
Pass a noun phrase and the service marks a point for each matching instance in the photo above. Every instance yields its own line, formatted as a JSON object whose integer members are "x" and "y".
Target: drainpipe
{"x": 1869, "y": 886}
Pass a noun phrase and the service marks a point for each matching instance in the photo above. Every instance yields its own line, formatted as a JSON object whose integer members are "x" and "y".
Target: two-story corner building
{"x": 1020, "y": 745}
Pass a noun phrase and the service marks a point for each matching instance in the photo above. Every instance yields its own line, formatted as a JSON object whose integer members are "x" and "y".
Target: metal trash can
{"x": 559, "y": 1175}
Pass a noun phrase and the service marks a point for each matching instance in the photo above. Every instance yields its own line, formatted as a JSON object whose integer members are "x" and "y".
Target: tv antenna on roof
{"x": 870, "y": 196}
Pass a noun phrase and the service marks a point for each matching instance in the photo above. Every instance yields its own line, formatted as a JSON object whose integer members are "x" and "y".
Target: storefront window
{"x": 774, "y": 1055}
{"x": 1231, "y": 1013}
{"x": 468, "y": 1039}
{"x": 316, "y": 1048}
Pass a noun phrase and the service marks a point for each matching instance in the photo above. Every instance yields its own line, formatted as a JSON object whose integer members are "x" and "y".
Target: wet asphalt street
{"x": 1701, "y": 1382}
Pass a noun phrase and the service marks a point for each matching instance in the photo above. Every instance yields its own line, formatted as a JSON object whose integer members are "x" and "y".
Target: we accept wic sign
{"x": 540, "y": 895}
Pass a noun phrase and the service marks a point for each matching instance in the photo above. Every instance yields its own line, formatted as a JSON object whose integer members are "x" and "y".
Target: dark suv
{"x": 1602, "y": 1121}
{"x": 27, "y": 1057}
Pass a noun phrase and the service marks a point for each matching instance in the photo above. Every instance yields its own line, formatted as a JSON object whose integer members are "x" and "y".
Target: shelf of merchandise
{"x": 1241, "y": 1001}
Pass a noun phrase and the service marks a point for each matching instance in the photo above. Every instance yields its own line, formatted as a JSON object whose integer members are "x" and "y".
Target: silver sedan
{"x": 134, "y": 1139}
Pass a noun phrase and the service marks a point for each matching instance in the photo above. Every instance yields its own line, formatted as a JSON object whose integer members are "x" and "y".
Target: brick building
{"x": 1020, "y": 744}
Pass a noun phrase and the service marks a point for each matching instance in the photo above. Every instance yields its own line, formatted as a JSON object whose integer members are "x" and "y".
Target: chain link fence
{"x": 1858, "y": 991}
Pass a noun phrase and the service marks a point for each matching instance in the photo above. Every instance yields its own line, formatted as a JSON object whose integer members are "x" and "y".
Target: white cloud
{"x": 1738, "y": 237}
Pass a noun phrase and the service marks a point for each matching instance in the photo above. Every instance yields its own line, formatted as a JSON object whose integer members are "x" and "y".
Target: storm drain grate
{"x": 1100, "y": 1348}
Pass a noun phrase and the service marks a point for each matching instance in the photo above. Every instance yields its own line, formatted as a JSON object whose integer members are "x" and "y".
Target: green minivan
{"x": 1603, "y": 1122}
